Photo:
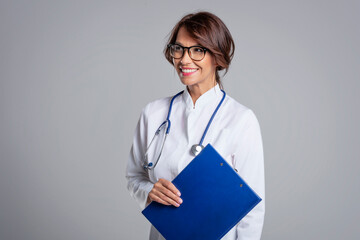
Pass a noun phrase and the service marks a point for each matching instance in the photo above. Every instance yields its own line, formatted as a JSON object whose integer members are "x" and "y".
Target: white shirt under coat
{"x": 234, "y": 133}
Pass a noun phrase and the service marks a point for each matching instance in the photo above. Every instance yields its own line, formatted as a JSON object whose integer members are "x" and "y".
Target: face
{"x": 204, "y": 74}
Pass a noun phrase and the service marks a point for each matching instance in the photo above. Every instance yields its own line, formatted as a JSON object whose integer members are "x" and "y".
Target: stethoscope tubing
{"x": 169, "y": 112}
{"x": 212, "y": 117}
{"x": 150, "y": 165}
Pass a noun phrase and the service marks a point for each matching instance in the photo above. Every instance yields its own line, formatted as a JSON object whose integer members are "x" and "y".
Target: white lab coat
{"x": 234, "y": 133}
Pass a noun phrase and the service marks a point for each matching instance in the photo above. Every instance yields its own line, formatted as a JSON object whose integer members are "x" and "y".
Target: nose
{"x": 186, "y": 58}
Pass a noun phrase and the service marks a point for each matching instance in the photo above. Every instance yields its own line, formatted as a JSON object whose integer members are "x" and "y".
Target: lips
{"x": 188, "y": 71}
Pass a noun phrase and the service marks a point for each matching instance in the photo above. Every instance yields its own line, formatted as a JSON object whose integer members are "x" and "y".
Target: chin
{"x": 188, "y": 82}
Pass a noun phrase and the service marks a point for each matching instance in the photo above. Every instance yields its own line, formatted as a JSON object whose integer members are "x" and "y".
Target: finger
{"x": 169, "y": 189}
{"x": 169, "y": 194}
{"x": 164, "y": 198}
{"x": 170, "y": 186}
{"x": 168, "y": 200}
{"x": 155, "y": 198}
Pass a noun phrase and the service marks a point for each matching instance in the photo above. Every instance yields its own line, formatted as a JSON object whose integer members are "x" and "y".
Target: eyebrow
{"x": 197, "y": 45}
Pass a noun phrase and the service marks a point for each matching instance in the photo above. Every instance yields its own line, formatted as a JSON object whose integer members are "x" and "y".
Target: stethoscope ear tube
{"x": 159, "y": 129}
{"x": 151, "y": 165}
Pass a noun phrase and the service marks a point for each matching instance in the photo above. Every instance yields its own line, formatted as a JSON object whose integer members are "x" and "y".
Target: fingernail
{"x": 176, "y": 204}
{"x": 180, "y": 200}
{"x": 179, "y": 194}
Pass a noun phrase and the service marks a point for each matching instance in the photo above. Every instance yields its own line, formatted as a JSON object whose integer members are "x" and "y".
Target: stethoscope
{"x": 159, "y": 145}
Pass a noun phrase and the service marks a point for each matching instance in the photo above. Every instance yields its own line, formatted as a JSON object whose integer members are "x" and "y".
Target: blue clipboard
{"x": 215, "y": 199}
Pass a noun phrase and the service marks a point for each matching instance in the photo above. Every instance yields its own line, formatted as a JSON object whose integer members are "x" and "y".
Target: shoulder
{"x": 157, "y": 108}
{"x": 238, "y": 113}
{"x": 235, "y": 105}
{"x": 160, "y": 104}
{"x": 157, "y": 105}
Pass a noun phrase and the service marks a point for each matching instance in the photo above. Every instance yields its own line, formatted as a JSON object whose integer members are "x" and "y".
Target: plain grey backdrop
{"x": 76, "y": 74}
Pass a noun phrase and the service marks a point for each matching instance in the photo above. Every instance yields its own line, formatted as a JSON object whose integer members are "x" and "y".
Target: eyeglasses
{"x": 196, "y": 53}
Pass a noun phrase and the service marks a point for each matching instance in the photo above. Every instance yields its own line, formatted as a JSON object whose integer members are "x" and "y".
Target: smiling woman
{"x": 200, "y": 45}
{"x": 199, "y": 74}
{"x": 208, "y": 31}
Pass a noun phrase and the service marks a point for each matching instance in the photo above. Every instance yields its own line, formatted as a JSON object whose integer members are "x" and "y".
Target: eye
{"x": 177, "y": 48}
{"x": 198, "y": 50}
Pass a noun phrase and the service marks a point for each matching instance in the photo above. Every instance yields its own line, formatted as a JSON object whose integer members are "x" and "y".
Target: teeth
{"x": 188, "y": 70}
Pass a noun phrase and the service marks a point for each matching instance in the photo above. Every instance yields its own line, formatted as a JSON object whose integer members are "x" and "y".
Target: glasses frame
{"x": 188, "y": 49}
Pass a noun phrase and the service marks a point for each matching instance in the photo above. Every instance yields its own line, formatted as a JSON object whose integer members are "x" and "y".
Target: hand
{"x": 165, "y": 192}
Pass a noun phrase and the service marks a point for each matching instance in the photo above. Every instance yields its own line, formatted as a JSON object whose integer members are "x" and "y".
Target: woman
{"x": 199, "y": 47}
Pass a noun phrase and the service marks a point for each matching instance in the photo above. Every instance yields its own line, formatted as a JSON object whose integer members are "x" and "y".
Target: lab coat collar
{"x": 207, "y": 97}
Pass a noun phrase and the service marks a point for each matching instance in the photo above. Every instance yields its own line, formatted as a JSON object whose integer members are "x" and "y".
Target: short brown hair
{"x": 207, "y": 29}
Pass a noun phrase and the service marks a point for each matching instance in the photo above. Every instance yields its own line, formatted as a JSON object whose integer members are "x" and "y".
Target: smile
{"x": 188, "y": 71}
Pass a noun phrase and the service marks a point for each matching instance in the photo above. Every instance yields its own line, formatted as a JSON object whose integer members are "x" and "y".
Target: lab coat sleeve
{"x": 138, "y": 182}
{"x": 249, "y": 160}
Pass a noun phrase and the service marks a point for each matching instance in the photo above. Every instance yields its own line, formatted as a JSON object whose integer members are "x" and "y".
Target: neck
{"x": 196, "y": 90}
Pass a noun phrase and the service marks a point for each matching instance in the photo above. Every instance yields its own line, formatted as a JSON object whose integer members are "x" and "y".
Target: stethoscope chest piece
{"x": 196, "y": 149}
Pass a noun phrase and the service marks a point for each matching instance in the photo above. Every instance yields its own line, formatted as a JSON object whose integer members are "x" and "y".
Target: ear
{"x": 215, "y": 63}
{"x": 217, "y": 66}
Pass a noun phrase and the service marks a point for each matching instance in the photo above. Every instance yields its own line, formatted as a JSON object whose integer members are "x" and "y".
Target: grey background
{"x": 76, "y": 74}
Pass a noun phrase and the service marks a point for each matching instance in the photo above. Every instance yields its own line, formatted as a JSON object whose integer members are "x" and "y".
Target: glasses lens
{"x": 197, "y": 53}
{"x": 176, "y": 51}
